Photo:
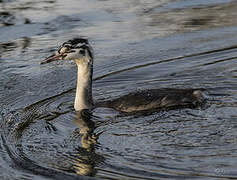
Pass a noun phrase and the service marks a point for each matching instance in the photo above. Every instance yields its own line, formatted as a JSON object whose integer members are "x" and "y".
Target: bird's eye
{"x": 82, "y": 51}
{"x": 67, "y": 46}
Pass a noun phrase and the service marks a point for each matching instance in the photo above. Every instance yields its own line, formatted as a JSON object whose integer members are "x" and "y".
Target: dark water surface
{"x": 138, "y": 45}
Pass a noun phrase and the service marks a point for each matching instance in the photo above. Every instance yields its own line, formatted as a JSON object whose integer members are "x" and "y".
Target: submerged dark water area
{"x": 138, "y": 45}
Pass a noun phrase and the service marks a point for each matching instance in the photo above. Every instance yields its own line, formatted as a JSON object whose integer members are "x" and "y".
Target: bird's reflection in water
{"x": 86, "y": 157}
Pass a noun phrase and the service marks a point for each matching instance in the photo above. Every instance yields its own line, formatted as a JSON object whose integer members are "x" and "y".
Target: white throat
{"x": 83, "y": 98}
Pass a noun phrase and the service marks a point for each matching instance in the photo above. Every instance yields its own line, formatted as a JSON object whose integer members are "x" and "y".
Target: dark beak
{"x": 52, "y": 58}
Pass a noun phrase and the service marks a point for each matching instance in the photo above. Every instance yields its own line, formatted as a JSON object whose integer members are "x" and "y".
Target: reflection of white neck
{"x": 83, "y": 98}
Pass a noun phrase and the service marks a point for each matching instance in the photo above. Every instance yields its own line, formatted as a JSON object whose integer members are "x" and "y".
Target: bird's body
{"x": 81, "y": 52}
{"x": 154, "y": 99}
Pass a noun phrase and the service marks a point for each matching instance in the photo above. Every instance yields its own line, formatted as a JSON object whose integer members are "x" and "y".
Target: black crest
{"x": 76, "y": 41}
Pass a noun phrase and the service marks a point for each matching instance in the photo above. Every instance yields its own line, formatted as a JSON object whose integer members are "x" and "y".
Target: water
{"x": 138, "y": 45}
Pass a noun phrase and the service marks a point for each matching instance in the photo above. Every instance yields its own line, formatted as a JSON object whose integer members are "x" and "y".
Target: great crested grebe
{"x": 81, "y": 52}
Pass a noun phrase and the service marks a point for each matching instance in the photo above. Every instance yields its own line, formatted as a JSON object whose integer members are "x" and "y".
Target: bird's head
{"x": 77, "y": 49}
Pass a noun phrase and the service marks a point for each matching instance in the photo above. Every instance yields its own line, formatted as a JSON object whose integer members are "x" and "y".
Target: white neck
{"x": 83, "y": 98}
